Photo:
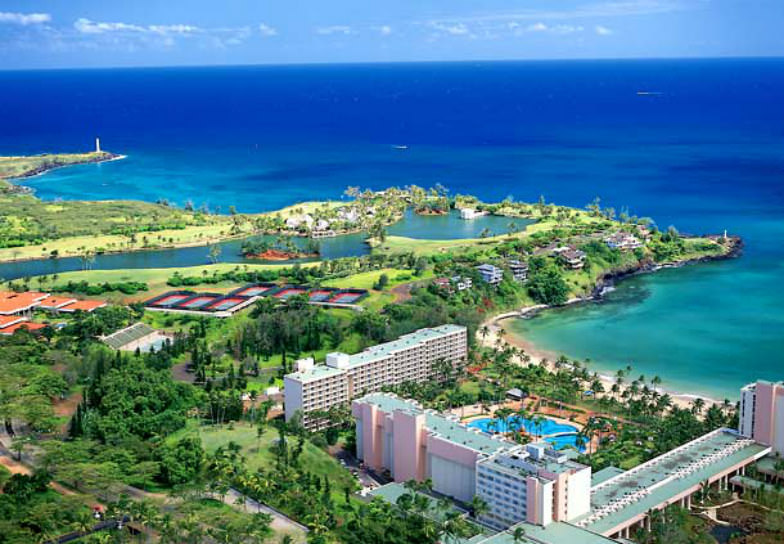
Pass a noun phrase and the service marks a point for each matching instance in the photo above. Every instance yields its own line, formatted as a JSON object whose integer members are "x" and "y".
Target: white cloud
{"x": 553, "y": 29}
{"x": 132, "y": 35}
{"x": 86, "y": 26}
{"x": 619, "y": 8}
{"x": 267, "y": 30}
{"x": 384, "y": 30}
{"x": 334, "y": 29}
{"x": 24, "y": 18}
{"x": 456, "y": 29}
{"x": 602, "y": 30}
{"x": 174, "y": 29}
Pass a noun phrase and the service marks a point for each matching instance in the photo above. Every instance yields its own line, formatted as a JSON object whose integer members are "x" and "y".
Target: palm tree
{"x": 518, "y": 534}
{"x": 484, "y": 332}
{"x": 479, "y": 506}
{"x": 697, "y": 405}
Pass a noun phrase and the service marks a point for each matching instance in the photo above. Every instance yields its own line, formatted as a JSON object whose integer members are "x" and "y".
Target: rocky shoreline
{"x": 609, "y": 280}
{"x": 44, "y": 168}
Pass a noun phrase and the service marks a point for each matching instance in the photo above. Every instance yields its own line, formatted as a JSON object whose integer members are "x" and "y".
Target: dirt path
{"x": 402, "y": 292}
{"x": 181, "y": 374}
{"x": 15, "y": 467}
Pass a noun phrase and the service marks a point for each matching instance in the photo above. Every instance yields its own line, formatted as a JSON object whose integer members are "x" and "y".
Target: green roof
{"x": 555, "y": 533}
{"x": 381, "y": 351}
{"x": 605, "y": 474}
{"x": 316, "y": 373}
{"x": 767, "y": 465}
{"x": 745, "y": 481}
{"x": 127, "y": 335}
{"x": 439, "y": 425}
{"x": 666, "y": 476}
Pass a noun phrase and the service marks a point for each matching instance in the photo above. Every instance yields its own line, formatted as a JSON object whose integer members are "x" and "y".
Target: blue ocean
{"x": 698, "y": 144}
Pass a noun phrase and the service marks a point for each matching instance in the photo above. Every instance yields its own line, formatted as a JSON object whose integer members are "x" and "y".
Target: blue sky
{"x": 98, "y": 33}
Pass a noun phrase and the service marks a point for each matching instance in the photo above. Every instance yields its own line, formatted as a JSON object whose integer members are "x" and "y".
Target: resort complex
{"x": 372, "y": 397}
{"x": 410, "y": 272}
{"x": 413, "y": 357}
{"x": 534, "y": 486}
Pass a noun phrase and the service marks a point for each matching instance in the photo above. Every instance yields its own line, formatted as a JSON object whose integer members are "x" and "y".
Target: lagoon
{"x": 451, "y": 227}
{"x": 350, "y": 245}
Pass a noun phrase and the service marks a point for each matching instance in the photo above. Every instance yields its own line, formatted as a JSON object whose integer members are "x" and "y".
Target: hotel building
{"x": 532, "y": 483}
{"x": 554, "y": 499}
{"x": 411, "y": 357}
{"x": 535, "y": 484}
{"x": 761, "y": 414}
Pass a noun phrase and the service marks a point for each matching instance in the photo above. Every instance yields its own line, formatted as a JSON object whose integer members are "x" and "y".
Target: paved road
{"x": 280, "y": 522}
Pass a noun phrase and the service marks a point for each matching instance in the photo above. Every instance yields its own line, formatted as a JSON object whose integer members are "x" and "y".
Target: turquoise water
{"x": 513, "y": 423}
{"x": 705, "y": 329}
{"x": 451, "y": 227}
{"x": 564, "y": 441}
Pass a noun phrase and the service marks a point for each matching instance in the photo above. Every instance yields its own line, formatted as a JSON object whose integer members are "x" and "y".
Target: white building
{"x": 490, "y": 274}
{"x": 411, "y": 357}
{"x": 470, "y": 213}
{"x": 518, "y": 269}
{"x": 349, "y": 215}
{"x": 536, "y": 484}
{"x": 321, "y": 224}
{"x": 462, "y": 283}
{"x": 622, "y": 241}
{"x": 571, "y": 257}
{"x": 299, "y": 220}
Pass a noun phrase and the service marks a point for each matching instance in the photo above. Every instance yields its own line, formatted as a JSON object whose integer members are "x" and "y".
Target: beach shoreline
{"x": 547, "y": 358}
{"x": 603, "y": 285}
{"x": 539, "y": 355}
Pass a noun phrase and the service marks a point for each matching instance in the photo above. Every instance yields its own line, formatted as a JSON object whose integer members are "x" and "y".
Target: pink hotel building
{"x": 411, "y": 357}
{"x": 555, "y": 500}
{"x": 534, "y": 483}
{"x": 762, "y": 413}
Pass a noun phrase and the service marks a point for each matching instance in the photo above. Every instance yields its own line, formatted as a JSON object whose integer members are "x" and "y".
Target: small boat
{"x": 400, "y": 147}
{"x": 648, "y": 93}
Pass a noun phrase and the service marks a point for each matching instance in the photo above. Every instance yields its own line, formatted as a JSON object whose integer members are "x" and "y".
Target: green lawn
{"x": 366, "y": 280}
{"x": 156, "y": 278}
{"x": 258, "y": 454}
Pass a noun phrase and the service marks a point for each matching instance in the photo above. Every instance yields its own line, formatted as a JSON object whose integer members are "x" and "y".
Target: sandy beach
{"x": 546, "y": 358}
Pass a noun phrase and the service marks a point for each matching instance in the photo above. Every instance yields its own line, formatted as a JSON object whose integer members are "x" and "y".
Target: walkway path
{"x": 280, "y": 522}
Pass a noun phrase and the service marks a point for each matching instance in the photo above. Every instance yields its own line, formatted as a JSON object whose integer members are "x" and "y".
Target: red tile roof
{"x": 14, "y": 303}
{"x": 56, "y": 302}
{"x": 32, "y": 327}
{"x": 83, "y": 305}
{"x": 8, "y": 320}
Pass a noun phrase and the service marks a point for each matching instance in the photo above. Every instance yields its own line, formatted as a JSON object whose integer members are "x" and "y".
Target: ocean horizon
{"x": 691, "y": 143}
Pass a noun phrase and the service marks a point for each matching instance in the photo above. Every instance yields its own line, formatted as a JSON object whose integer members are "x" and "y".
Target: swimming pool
{"x": 568, "y": 440}
{"x": 512, "y": 423}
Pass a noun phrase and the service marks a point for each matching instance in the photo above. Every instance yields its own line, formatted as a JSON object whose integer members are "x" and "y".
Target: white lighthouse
{"x": 97, "y": 145}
